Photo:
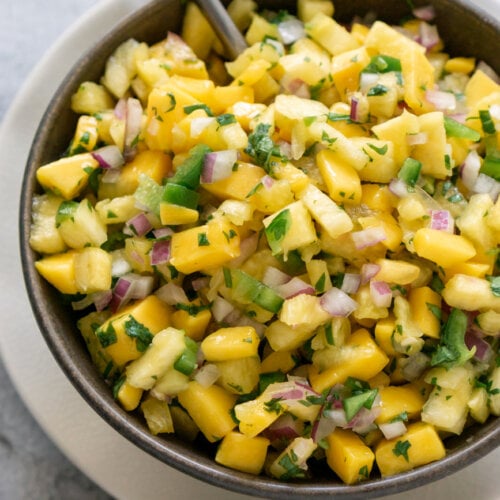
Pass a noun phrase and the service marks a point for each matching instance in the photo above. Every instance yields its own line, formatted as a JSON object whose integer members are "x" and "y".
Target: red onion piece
{"x": 139, "y": 225}
{"x": 337, "y": 303}
{"x": 415, "y": 366}
{"x": 484, "y": 352}
{"x": 267, "y": 181}
{"x": 218, "y": 165}
{"x": 291, "y": 30}
{"x": 160, "y": 253}
{"x": 426, "y": 13}
{"x": 469, "y": 170}
{"x": 200, "y": 283}
{"x": 273, "y": 277}
{"x": 295, "y": 86}
{"x": 172, "y": 294}
{"x": 111, "y": 175}
{"x": 109, "y": 157}
{"x": 368, "y": 271}
{"x": 132, "y": 127}
{"x": 398, "y": 187}
{"x": 443, "y": 101}
{"x": 364, "y": 420}
{"x": 131, "y": 286}
{"x": 295, "y": 287}
{"x": 428, "y": 35}
{"x": 248, "y": 246}
{"x": 198, "y": 125}
{"x": 337, "y": 416}
{"x": 120, "y": 110}
{"x": 416, "y": 139}
{"x": 442, "y": 220}
{"x": 351, "y": 282}
{"x": 322, "y": 427}
{"x": 221, "y": 308}
{"x": 367, "y": 81}
{"x": 207, "y": 375}
{"x": 487, "y": 185}
{"x": 392, "y": 430}
{"x": 163, "y": 232}
{"x": 368, "y": 237}
{"x": 286, "y": 427}
{"x": 380, "y": 293}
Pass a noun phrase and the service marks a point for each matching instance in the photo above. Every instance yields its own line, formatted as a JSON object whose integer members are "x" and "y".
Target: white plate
{"x": 119, "y": 467}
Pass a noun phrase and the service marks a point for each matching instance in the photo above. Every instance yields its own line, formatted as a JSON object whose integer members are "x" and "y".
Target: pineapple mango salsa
{"x": 292, "y": 255}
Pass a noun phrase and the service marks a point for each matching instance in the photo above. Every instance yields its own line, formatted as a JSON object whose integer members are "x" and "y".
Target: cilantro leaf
{"x": 277, "y": 229}
{"x": 139, "y": 332}
{"x": 261, "y": 147}
{"x": 401, "y": 449}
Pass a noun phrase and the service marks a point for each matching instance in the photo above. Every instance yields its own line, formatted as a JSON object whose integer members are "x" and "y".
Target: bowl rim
{"x": 484, "y": 441}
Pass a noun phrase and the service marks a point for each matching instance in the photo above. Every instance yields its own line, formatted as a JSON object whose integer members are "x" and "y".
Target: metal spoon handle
{"x": 223, "y": 26}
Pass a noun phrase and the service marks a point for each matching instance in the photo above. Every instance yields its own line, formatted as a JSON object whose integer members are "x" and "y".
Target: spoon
{"x": 224, "y": 27}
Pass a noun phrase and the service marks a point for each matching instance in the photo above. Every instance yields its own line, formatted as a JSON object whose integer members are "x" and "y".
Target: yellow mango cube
{"x": 225, "y": 97}
{"x": 119, "y": 345}
{"x": 420, "y": 445}
{"x": 384, "y": 330}
{"x": 377, "y": 197}
{"x": 176, "y": 215}
{"x": 194, "y": 325}
{"x": 395, "y": 400}
{"x": 346, "y": 68}
{"x": 432, "y": 154}
{"x": 67, "y": 177}
{"x": 243, "y": 453}
{"x": 282, "y": 361}
{"x": 421, "y": 301}
{"x": 205, "y": 247}
{"x": 210, "y": 408}
{"x": 445, "y": 249}
{"x": 230, "y": 343}
{"x": 238, "y": 184}
{"x": 59, "y": 271}
{"x": 359, "y": 357}
{"x": 307, "y": 9}
{"x": 128, "y": 396}
{"x": 155, "y": 164}
{"x": 348, "y": 456}
{"x": 464, "y": 65}
{"x": 254, "y": 416}
{"x": 341, "y": 179}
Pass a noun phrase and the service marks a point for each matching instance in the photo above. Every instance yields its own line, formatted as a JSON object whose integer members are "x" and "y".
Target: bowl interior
{"x": 465, "y": 31}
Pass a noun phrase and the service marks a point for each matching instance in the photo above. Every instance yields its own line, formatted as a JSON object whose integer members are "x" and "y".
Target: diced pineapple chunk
{"x": 330, "y": 34}
{"x": 128, "y": 396}
{"x": 307, "y": 9}
{"x": 423, "y": 303}
{"x": 396, "y": 271}
{"x": 92, "y": 270}
{"x": 44, "y": 236}
{"x": 283, "y": 337}
{"x": 161, "y": 354}
{"x": 91, "y": 98}
{"x": 157, "y": 415}
{"x": 470, "y": 294}
{"x": 239, "y": 376}
{"x": 326, "y": 212}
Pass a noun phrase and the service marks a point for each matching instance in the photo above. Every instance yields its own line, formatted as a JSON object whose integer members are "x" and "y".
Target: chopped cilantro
{"x": 261, "y": 147}
{"x": 225, "y": 119}
{"x": 378, "y": 89}
{"x": 189, "y": 109}
{"x": 486, "y": 122}
{"x": 364, "y": 472}
{"x": 494, "y": 285}
{"x": 273, "y": 405}
{"x": 228, "y": 280}
{"x": 173, "y": 102}
{"x": 434, "y": 309}
{"x": 139, "y": 332}
{"x": 380, "y": 150}
{"x": 191, "y": 309}
{"x": 326, "y": 138}
{"x": 277, "y": 230}
{"x": 401, "y": 449}
{"x": 66, "y": 211}
{"x": 289, "y": 463}
{"x": 203, "y": 240}
{"x": 106, "y": 337}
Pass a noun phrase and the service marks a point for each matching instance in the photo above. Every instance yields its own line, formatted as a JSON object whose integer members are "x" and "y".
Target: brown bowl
{"x": 466, "y": 31}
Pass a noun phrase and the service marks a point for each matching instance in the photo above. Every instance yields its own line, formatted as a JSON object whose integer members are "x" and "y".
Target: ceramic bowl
{"x": 466, "y": 31}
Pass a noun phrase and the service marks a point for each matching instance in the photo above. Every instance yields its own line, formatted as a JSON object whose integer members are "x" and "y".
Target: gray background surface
{"x": 31, "y": 467}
